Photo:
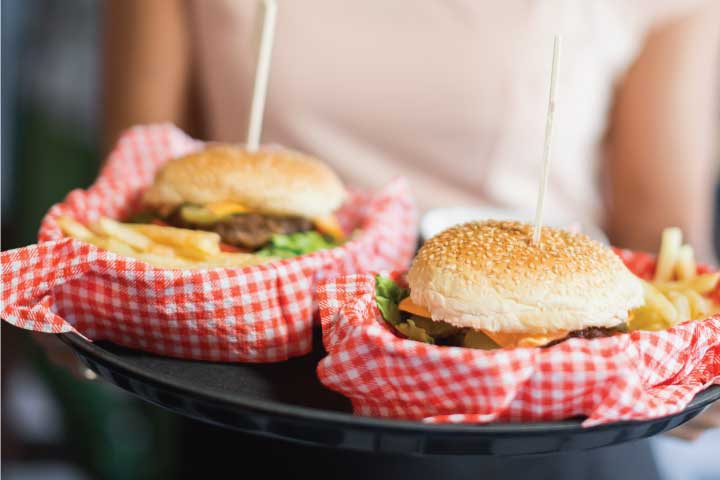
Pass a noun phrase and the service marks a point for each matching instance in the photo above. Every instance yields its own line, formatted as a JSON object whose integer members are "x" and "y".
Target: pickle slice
{"x": 413, "y": 332}
{"x": 436, "y": 329}
{"x": 475, "y": 339}
{"x": 198, "y": 215}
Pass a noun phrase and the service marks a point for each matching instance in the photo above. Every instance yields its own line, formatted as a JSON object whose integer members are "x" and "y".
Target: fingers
{"x": 710, "y": 418}
{"x": 686, "y": 432}
{"x": 691, "y": 430}
{"x": 60, "y": 354}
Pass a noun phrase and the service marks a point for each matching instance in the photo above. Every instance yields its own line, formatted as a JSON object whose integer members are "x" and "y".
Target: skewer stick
{"x": 261, "y": 75}
{"x": 548, "y": 140}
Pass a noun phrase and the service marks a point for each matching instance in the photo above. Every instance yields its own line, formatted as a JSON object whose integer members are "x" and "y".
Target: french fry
{"x": 669, "y": 247}
{"x": 702, "y": 284}
{"x": 194, "y": 254}
{"x": 194, "y": 244}
{"x": 646, "y": 318}
{"x": 110, "y": 228}
{"x": 700, "y": 307}
{"x": 227, "y": 259}
{"x": 113, "y": 245}
{"x": 165, "y": 261}
{"x": 654, "y": 299}
{"x": 74, "y": 229}
{"x": 706, "y": 283}
{"x": 682, "y": 306}
{"x": 685, "y": 267}
{"x": 677, "y": 292}
{"x": 77, "y": 230}
{"x": 166, "y": 247}
{"x": 158, "y": 249}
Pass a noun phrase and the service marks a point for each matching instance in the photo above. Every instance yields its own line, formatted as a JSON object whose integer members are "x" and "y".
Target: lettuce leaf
{"x": 388, "y": 295}
{"x": 294, "y": 244}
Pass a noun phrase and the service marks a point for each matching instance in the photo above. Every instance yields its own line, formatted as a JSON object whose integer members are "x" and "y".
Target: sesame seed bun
{"x": 489, "y": 275}
{"x": 272, "y": 180}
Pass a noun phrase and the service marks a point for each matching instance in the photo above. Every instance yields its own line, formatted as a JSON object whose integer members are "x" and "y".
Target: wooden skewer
{"x": 548, "y": 140}
{"x": 261, "y": 75}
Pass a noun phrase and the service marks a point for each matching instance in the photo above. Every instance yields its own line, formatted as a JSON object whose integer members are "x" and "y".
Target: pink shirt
{"x": 449, "y": 93}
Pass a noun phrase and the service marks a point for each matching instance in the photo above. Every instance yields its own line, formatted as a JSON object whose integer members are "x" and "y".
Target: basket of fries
{"x": 180, "y": 292}
{"x": 391, "y": 362}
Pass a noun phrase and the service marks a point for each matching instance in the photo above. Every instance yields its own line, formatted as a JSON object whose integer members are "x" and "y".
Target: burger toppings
{"x": 271, "y": 235}
{"x": 271, "y": 202}
{"x": 389, "y": 295}
{"x": 248, "y": 230}
{"x": 209, "y": 213}
{"x": 266, "y": 235}
{"x": 415, "y": 322}
{"x": 254, "y": 230}
{"x": 406, "y": 305}
{"x": 592, "y": 332}
{"x": 286, "y": 246}
{"x": 417, "y": 326}
{"x": 503, "y": 339}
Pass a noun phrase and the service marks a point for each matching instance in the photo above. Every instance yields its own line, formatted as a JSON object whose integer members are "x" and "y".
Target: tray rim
{"x": 280, "y": 409}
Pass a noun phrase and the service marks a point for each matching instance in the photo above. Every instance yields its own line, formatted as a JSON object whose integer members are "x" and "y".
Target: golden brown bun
{"x": 272, "y": 180}
{"x": 488, "y": 275}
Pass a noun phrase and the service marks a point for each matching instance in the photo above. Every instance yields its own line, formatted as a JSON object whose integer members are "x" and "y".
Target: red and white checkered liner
{"x": 253, "y": 314}
{"x": 637, "y": 376}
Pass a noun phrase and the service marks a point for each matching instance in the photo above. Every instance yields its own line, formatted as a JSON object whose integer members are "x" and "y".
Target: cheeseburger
{"x": 274, "y": 201}
{"x": 486, "y": 285}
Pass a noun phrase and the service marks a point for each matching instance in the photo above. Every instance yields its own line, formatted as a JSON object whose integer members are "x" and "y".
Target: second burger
{"x": 487, "y": 285}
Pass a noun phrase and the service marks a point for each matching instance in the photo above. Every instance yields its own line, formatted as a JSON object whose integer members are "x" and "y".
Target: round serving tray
{"x": 286, "y": 400}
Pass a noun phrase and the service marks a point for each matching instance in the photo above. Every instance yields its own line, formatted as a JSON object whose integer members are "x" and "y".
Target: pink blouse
{"x": 449, "y": 93}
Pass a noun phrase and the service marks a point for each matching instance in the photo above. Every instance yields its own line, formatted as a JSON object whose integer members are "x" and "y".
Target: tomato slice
{"x": 226, "y": 247}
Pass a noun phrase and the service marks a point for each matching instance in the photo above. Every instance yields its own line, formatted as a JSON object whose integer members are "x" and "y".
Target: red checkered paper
{"x": 637, "y": 376}
{"x": 255, "y": 314}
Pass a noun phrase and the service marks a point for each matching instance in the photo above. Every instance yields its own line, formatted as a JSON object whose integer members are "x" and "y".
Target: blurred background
{"x": 54, "y": 425}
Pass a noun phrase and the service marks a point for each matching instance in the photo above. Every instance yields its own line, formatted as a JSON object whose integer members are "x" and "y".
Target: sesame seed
{"x": 505, "y": 248}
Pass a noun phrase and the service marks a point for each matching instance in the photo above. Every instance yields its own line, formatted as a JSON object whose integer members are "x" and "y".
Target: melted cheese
{"x": 330, "y": 226}
{"x": 523, "y": 339}
{"x": 406, "y": 305}
{"x": 223, "y": 209}
{"x": 502, "y": 339}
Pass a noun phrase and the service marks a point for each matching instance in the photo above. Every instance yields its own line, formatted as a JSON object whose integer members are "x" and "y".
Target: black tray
{"x": 286, "y": 400}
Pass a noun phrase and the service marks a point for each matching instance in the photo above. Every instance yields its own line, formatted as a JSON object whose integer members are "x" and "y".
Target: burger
{"x": 273, "y": 201}
{"x": 487, "y": 285}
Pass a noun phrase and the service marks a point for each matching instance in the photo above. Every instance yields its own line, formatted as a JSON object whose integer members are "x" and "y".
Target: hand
{"x": 62, "y": 355}
{"x": 691, "y": 430}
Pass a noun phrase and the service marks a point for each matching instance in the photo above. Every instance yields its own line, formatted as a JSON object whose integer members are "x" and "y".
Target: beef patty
{"x": 251, "y": 230}
{"x": 591, "y": 332}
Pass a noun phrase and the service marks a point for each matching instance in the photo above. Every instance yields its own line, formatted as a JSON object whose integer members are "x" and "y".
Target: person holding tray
{"x": 446, "y": 94}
